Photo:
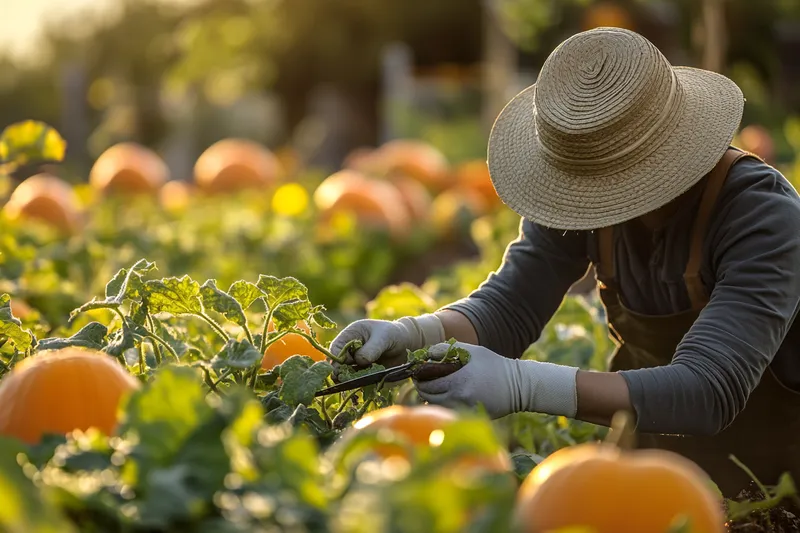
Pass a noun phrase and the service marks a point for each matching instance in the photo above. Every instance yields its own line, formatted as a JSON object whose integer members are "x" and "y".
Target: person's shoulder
{"x": 758, "y": 195}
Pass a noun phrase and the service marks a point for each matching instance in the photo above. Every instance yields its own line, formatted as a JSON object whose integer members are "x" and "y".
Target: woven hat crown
{"x": 604, "y": 100}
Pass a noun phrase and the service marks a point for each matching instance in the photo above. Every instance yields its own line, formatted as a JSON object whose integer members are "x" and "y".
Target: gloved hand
{"x": 386, "y": 342}
{"x": 503, "y": 385}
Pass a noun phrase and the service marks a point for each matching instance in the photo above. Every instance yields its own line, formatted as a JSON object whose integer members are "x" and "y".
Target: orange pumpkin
{"x": 600, "y": 486}
{"x": 233, "y": 165}
{"x": 416, "y": 198}
{"x": 20, "y": 308}
{"x": 454, "y": 209}
{"x": 375, "y": 203}
{"x": 414, "y": 425}
{"x": 758, "y": 140}
{"x": 61, "y": 391}
{"x": 289, "y": 345}
{"x": 47, "y": 199}
{"x": 128, "y": 168}
{"x": 475, "y": 175}
{"x": 607, "y": 14}
{"x": 417, "y": 159}
{"x": 174, "y": 196}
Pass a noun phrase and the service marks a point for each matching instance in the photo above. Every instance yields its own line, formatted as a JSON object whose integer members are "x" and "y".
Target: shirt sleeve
{"x": 754, "y": 248}
{"x": 510, "y": 308}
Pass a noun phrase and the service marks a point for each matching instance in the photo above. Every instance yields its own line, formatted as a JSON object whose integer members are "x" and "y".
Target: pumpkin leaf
{"x": 177, "y": 296}
{"x": 322, "y": 320}
{"x": 288, "y": 314}
{"x": 31, "y": 140}
{"x": 24, "y": 509}
{"x": 236, "y": 354}
{"x": 245, "y": 292}
{"x": 785, "y": 488}
{"x": 11, "y": 326}
{"x": 92, "y": 335}
{"x": 222, "y": 302}
{"x": 165, "y": 411}
{"x": 126, "y": 284}
{"x": 301, "y": 378}
{"x": 280, "y": 290}
{"x": 121, "y": 340}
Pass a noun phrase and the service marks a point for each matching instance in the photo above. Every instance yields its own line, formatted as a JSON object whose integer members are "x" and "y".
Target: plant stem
{"x": 750, "y": 473}
{"x": 622, "y": 432}
{"x": 216, "y": 327}
{"x": 325, "y": 412}
{"x": 224, "y": 375}
{"x": 141, "y": 358}
{"x": 340, "y": 359}
{"x": 156, "y": 347}
{"x": 208, "y": 381}
{"x": 248, "y": 335}
{"x": 346, "y": 400}
{"x": 264, "y": 332}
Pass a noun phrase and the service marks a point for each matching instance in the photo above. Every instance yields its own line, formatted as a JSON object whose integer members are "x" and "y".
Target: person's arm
{"x": 509, "y": 310}
{"x": 755, "y": 247}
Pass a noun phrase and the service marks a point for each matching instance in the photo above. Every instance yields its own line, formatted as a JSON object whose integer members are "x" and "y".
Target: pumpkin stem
{"x": 623, "y": 432}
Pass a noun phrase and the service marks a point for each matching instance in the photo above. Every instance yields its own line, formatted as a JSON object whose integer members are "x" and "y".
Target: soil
{"x": 782, "y": 519}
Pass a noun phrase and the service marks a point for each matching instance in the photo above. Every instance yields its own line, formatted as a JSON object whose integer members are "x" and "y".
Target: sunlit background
{"x": 400, "y": 93}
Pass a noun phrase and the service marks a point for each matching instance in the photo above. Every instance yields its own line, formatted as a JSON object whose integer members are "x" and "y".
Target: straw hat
{"x": 610, "y": 131}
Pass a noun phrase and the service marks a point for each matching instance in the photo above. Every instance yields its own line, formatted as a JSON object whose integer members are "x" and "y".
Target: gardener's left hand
{"x": 502, "y": 385}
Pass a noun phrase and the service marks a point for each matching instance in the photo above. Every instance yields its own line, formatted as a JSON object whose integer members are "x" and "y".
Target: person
{"x": 617, "y": 159}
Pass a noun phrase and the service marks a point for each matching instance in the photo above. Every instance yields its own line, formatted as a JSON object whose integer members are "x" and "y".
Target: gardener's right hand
{"x": 386, "y": 342}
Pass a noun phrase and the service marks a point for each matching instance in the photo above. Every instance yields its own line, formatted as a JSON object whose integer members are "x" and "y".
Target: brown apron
{"x": 765, "y": 436}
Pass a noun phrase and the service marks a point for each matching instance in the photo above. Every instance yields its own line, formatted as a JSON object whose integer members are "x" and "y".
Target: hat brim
{"x": 536, "y": 190}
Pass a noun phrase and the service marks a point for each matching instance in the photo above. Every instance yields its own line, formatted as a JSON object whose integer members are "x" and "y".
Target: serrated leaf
{"x": 92, "y": 335}
{"x": 177, "y": 296}
{"x": 11, "y": 327}
{"x": 222, "y": 303}
{"x": 245, "y": 292}
{"x": 31, "y": 140}
{"x": 321, "y": 319}
{"x": 347, "y": 372}
{"x": 301, "y": 378}
{"x": 288, "y": 314}
{"x": 236, "y": 354}
{"x": 127, "y": 283}
{"x": 280, "y": 290}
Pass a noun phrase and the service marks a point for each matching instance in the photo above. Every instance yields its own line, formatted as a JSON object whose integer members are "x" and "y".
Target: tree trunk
{"x": 715, "y": 38}
{"x": 499, "y": 66}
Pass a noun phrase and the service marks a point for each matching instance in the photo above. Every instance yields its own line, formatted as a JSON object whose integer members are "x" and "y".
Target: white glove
{"x": 502, "y": 385}
{"x": 386, "y": 342}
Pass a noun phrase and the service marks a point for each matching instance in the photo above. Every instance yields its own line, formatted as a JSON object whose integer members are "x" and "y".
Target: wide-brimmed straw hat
{"x": 609, "y": 131}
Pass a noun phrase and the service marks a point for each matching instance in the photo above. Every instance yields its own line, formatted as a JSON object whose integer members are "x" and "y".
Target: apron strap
{"x": 694, "y": 285}
{"x": 605, "y": 267}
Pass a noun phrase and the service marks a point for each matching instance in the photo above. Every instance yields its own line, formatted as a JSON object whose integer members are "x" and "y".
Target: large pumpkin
{"x": 414, "y": 425}
{"x": 375, "y": 203}
{"x": 414, "y": 158}
{"x": 289, "y": 345}
{"x": 128, "y": 168}
{"x": 453, "y": 211}
{"x": 61, "y": 391}
{"x": 608, "y": 490}
{"x": 233, "y": 165}
{"x": 47, "y": 199}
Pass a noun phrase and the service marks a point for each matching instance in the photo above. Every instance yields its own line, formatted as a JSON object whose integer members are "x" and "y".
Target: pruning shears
{"x": 420, "y": 371}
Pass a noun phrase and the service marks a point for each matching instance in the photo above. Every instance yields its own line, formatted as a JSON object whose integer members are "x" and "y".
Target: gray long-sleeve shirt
{"x": 751, "y": 269}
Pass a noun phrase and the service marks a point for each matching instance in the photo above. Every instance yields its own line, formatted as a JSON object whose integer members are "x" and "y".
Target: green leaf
{"x": 165, "y": 411}
{"x": 236, "y": 354}
{"x": 31, "y": 140}
{"x": 321, "y": 319}
{"x": 301, "y": 378}
{"x": 24, "y": 510}
{"x": 280, "y": 290}
{"x": 11, "y": 326}
{"x": 121, "y": 340}
{"x": 347, "y": 372}
{"x": 177, "y": 296}
{"x": 396, "y": 301}
{"x": 245, "y": 292}
{"x": 222, "y": 303}
{"x": 288, "y": 314}
{"x": 126, "y": 284}
{"x": 784, "y": 489}
{"x": 92, "y": 335}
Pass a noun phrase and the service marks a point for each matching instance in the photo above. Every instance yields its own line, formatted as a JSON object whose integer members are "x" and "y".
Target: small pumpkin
{"x": 129, "y": 168}
{"x": 417, "y": 159}
{"x": 289, "y": 345}
{"x": 233, "y": 165}
{"x": 46, "y": 199}
{"x": 607, "y": 489}
{"x": 414, "y": 425}
{"x": 475, "y": 175}
{"x": 175, "y": 196}
{"x": 61, "y": 391}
